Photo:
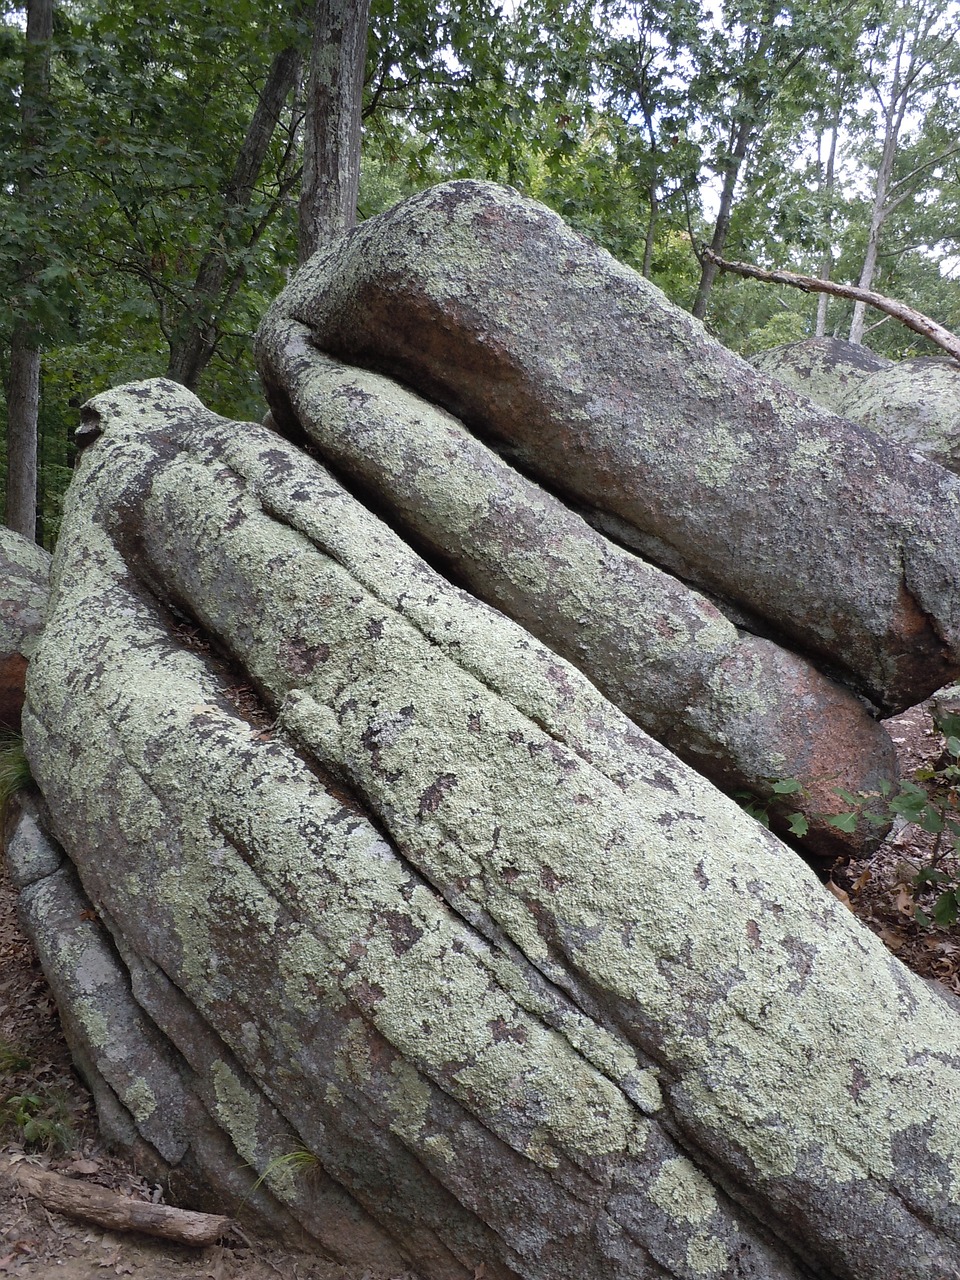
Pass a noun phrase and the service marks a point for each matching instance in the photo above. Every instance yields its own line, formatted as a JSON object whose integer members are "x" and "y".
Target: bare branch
{"x": 914, "y": 320}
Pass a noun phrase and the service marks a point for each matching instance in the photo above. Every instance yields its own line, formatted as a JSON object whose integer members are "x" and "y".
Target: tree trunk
{"x": 732, "y": 167}
{"x": 826, "y": 262}
{"x": 196, "y": 336}
{"x": 893, "y": 116}
{"x": 23, "y": 391}
{"x": 331, "y": 144}
{"x": 23, "y": 407}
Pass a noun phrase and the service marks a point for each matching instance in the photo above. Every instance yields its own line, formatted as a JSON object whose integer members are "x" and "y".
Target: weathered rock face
{"x": 491, "y": 307}
{"x": 829, "y": 371}
{"x": 916, "y": 404}
{"x": 740, "y": 709}
{"x": 533, "y": 993}
{"x": 24, "y": 587}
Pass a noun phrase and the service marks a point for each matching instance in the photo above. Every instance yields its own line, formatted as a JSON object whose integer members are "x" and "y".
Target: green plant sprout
{"x": 38, "y": 1120}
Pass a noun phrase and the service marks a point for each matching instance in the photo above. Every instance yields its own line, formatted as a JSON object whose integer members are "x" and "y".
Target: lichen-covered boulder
{"x": 830, "y": 371}
{"x": 915, "y": 404}
{"x": 742, "y": 710}
{"x": 490, "y": 306}
{"x": 538, "y": 1000}
{"x": 24, "y": 587}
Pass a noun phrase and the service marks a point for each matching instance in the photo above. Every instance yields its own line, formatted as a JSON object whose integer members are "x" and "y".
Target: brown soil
{"x": 35, "y": 1061}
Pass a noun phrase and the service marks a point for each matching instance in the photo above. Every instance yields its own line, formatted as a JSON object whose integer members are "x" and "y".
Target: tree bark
{"x": 23, "y": 390}
{"x": 914, "y": 320}
{"x": 197, "y": 334}
{"x": 331, "y": 144}
{"x": 894, "y": 111}
{"x": 826, "y": 262}
{"x": 23, "y": 408}
{"x": 708, "y": 268}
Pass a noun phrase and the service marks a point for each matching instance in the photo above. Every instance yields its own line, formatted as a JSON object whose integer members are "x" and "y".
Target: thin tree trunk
{"x": 23, "y": 410}
{"x": 877, "y": 218}
{"x": 651, "y": 231}
{"x": 709, "y": 269}
{"x": 331, "y": 144}
{"x": 23, "y": 390}
{"x": 893, "y": 116}
{"x": 826, "y": 262}
{"x": 197, "y": 334}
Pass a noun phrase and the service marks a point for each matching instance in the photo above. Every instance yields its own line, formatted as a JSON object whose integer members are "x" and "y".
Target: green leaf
{"x": 931, "y": 820}
{"x": 945, "y": 909}
{"x": 856, "y": 801}
{"x": 843, "y": 821}
{"x": 786, "y": 787}
{"x": 931, "y": 875}
{"x": 797, "y": 825}
{"x": 948, "y": 722}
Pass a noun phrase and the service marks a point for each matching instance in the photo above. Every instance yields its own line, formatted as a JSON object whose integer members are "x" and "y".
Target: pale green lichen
{"x": 96, "y": 1026}
{"x": 708, "y": 1256}
{"x": 682, "y": 1191}
{"x": 719, "y": 454}
{"x": 140, "y": 1099}
{"x": 238, "y": 1109}
{"x": 645, "y": 877}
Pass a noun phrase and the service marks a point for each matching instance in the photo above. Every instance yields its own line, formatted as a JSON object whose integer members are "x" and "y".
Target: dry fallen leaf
{"x": 862, "y": 879}
{"x": 892, "y": 938}
{"x": 842, "y": 894}
{"x": 905, "y": 903}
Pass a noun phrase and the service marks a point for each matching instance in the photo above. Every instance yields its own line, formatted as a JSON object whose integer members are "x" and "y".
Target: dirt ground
{"x": 38, "y": 1084}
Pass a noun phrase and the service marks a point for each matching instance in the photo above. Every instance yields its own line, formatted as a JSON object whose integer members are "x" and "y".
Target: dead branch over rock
{"x": 908, "y": 316}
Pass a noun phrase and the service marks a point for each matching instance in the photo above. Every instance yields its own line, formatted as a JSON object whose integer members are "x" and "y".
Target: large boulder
{"x": 916, "y": 404}
{"x": 375, "y": 874}
{"x": 830, "y": 371}
{"x": 490, "y": 306}
{"x": 742, "y": 710}
{"x": 24, "y": 587}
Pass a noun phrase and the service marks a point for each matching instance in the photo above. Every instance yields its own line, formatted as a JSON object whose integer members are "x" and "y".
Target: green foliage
{"x": 930, "y": 800}
{"x": 31, "y": 1113}
{"x": 620, "y": 114}
{"x": 299, "y": 1162}
{"x": 39, "y": 1120}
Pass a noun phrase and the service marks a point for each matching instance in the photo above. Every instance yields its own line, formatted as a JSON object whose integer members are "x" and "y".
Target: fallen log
{"x": 115, "y": 1212}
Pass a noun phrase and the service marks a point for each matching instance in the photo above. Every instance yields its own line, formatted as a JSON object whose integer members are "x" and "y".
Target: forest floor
{"x": 38, "y": 1083}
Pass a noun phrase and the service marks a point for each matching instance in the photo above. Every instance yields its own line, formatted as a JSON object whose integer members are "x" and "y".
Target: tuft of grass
{"x": 285, "y": 1168}
{"x": 15, "y": 775}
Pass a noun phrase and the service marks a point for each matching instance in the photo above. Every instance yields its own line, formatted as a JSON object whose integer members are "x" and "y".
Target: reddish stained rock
{"x": 742, "y": 710}
{"x": 489, "y": 305}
